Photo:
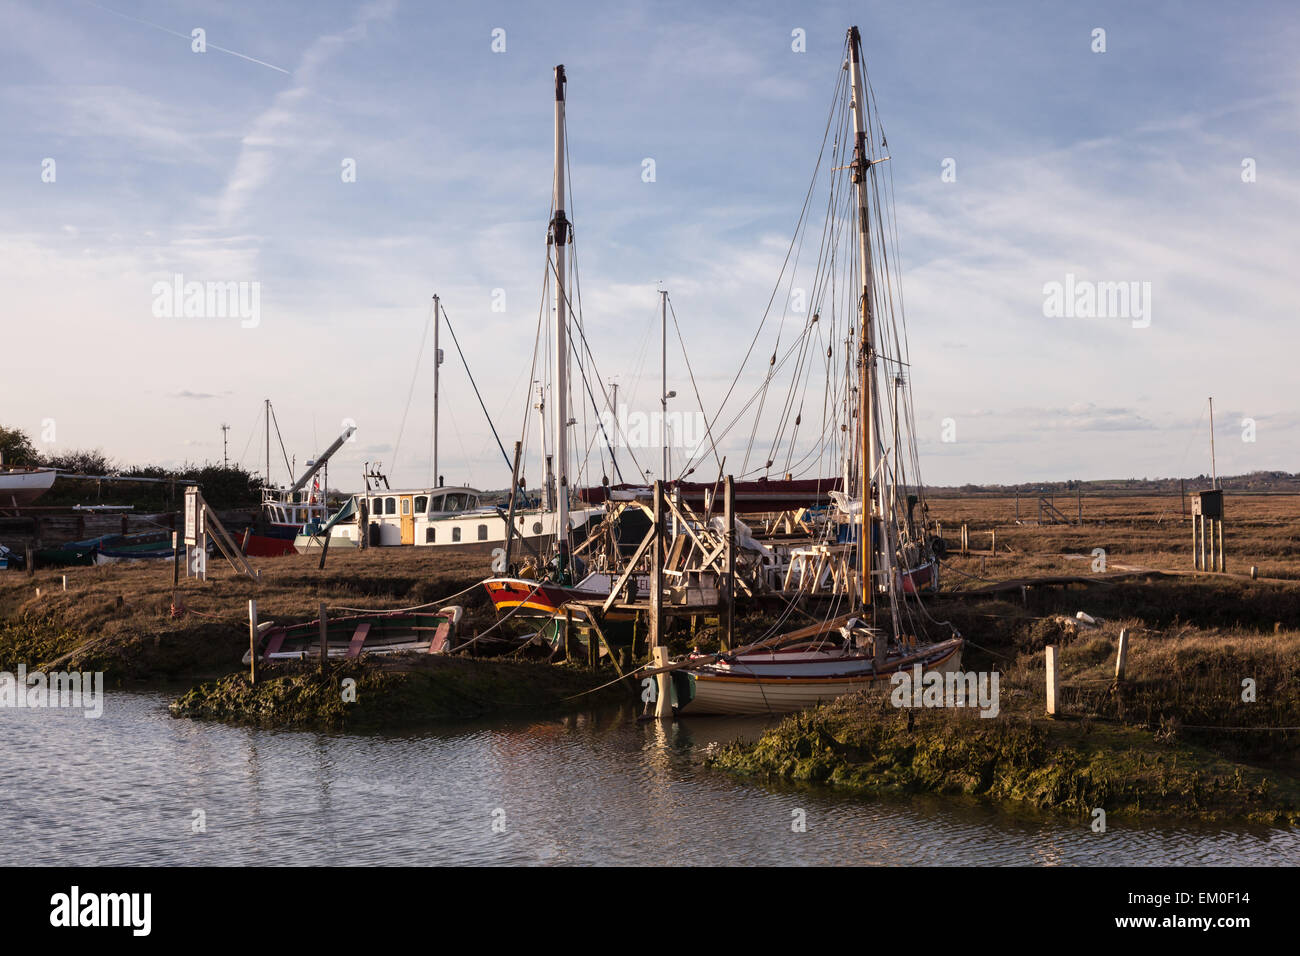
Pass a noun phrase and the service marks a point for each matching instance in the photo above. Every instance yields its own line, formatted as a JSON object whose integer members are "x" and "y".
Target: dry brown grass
{"x": 1259, "y": 530}
{"x": 117, "y": 618}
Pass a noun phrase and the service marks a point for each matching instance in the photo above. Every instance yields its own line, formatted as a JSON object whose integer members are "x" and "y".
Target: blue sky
{"x": 1115, "y": 166}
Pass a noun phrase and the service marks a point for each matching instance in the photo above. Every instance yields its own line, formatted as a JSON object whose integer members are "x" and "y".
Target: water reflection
{"x": 590, "y": 788}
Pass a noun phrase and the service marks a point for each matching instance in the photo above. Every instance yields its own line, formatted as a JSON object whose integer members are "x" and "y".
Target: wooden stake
{"x": 252, "y": 641}
{"x": 324, "y": 635}
{"x": 1122, "y": 657}
{"x": 510, "y": 511}
{"x": 657, "y": 571}
{"x": 664, "y": 684}
{"x": 1050, "y": 655}
{"x": 729, "y": 593}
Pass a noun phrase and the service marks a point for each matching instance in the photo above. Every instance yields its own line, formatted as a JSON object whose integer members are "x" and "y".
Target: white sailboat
{"x": 886, "y": 630}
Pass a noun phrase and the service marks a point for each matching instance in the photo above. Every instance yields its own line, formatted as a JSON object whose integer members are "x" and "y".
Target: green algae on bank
{"x": 369, "y": 694}
{"x": 864, "y": 745}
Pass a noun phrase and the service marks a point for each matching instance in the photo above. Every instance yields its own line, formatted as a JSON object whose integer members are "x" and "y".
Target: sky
{"x": 1020, "y": 152}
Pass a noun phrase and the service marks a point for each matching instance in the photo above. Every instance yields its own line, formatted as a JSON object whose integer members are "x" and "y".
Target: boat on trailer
{"x": 419, "y": 631}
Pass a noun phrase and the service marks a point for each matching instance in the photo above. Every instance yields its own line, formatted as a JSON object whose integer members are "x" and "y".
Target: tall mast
{"x": 867, "y": 349}
{"x": 560, "y": 237}
{"x": 268, "y": 443}
{"x": 663, "y": 378}
{"x": 437, "y": 361}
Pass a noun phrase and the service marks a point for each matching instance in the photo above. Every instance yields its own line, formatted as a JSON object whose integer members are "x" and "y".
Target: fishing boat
{"x": 888, "y": 559}
{"x": 285, "y": 510}
{"x": 416, "y": 631}
{"x": 22, "y": 486}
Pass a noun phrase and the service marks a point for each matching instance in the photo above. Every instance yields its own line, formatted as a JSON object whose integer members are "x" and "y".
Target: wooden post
{"x": 1223, "y": 565}
{"x": 65, "y": 582}
{"x": 1080, "y": 500}
{"x": 1050, "y": 655}
{"x": 363, "y": 523}
{"x": 30, "y": 561}
{"x": 1017, "y": 507}
{"x": 729, "y": 592}
{"x": 663, "y": 682}
{"x": 993, "y": 542}
{"x": 1196, "y": 557}
{"x": 324, "y": 635}
{"x": 657, "y": 570}
{"x": 510, "y": 511}
{"x": 252, "y": 641}
{"x": 568, "y": 635}
{"x": 1122, "y": 657}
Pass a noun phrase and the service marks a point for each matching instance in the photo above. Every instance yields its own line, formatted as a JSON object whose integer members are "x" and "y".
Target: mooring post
{"x": 993, "y": 541}
{"x": 30, "y": 561}
{"x": 1050, "y": 656}
{"x": 659, "y": 652}
{"x": 324, "y": 635}
{"x": 1223, "y": 563}
{"x": 729, "y": 594}
{"x": 1122, "y": 657}
{"x": 663, "y": 685}
{"x": 568, "y": 635}
{"x": 252, "y": 641}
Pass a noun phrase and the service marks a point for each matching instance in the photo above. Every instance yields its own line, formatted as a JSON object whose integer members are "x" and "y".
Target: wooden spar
{"x": 252, "y": 641}
{"x": 510, "y": 512}
{"x": 324, "y": 631}
{"x": 641, "y": 549}
{"x": 867, "y": 354}
{"x": 657, "y": 571}
{"x": 729, "y": 594}
{"x": 559, "y": 238}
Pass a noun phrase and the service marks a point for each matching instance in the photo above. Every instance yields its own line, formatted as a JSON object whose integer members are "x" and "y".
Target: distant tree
{"x": 17, "y": 448}
{"x": 83, "y": 461}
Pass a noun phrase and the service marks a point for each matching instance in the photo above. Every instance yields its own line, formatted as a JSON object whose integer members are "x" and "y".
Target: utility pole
{"x": 1214, "y": 468}
{"x": 225, "y": 445}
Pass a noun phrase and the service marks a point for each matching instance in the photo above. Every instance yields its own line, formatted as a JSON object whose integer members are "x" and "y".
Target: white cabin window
{"x": 421, "y": 504}
{"x": 482, "y": 532}
{"x": 455, "y": 534}
{"x": 390, "y": 506}
{"x": 430, "y": 536}
{"x": 406, "y": 506}
{"x": 435, "y": 503}
{"x": 455, "y": 503}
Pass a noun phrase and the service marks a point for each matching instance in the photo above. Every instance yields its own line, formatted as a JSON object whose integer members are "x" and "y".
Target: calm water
{"x": 594, "y": 789}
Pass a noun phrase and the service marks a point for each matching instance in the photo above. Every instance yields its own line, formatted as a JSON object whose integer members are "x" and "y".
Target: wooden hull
{"x": 395, "y": 632}
{"x": 544, "y": 599}
{"x": 756, "y": 693}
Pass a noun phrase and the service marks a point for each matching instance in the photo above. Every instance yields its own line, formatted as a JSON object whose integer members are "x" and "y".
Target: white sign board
{"x": 191, "y": 515}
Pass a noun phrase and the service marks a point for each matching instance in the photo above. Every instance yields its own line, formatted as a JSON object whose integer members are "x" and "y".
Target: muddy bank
{"x": 395, "y": 692}
{"x": 126, "y": 621}
{"x": 1203, "y": 726}
{"x": 1071, "y": 767}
